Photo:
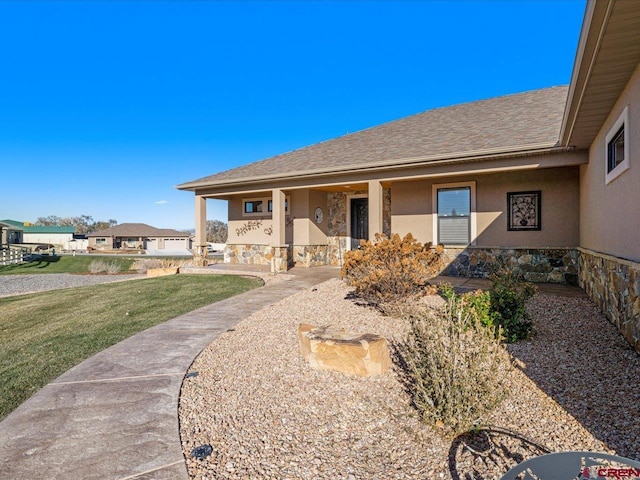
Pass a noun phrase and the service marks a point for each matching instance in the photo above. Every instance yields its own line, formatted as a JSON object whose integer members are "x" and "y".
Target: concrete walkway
{"x": 115, "y": 416}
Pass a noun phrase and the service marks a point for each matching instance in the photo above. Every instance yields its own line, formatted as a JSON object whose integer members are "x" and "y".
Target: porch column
{"x": 279, "y": 256}
{"x": 200, "y": 247}
{"x": 375, "y": 209}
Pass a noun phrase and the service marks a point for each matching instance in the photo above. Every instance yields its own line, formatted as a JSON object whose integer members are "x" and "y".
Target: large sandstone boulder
{"x": 161, "y": 272}
{"x": 331, "y": 348}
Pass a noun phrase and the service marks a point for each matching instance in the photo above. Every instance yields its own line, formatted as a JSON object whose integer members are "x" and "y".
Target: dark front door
{"x": 359, "y": 221}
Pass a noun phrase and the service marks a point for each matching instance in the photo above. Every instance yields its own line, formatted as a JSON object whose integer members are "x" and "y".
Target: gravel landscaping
{"x": 21, "y": 284}
{"x": 268, "y": 415}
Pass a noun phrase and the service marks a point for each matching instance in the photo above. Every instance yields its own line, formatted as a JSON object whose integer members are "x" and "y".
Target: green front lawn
{"x": 42, "y": 335}
{"x": 64, "y": 264}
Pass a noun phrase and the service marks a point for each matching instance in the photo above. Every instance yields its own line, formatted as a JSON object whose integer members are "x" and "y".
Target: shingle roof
{"x": 137, "y": 230}
{"x": 503, "y": 124}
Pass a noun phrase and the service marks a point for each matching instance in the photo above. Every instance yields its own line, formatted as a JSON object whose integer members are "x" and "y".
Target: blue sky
{"x": 105, "y": 106}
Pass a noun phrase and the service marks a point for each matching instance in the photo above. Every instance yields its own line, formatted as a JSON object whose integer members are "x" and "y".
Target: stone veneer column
{"x": 200, "y": 251}
{"x": 279, "y": 259}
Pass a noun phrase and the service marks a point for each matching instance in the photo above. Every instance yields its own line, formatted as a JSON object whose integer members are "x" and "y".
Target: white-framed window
{"x": 101, "y": 241}
{"x": 261, "y": 206}
{"x": 454, "y": 214}
{"x": 617, "y": 147}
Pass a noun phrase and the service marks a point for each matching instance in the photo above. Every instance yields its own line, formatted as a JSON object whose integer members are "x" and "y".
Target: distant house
{"x": 544, "y": 182}
{"x": 139, "y": 236}
{"x": 10, "y": 233}
{"x": 54, "y": 235}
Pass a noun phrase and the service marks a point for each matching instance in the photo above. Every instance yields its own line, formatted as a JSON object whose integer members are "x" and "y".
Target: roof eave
{"x": 485, "y": 154}
{"x": 594, "y": 87}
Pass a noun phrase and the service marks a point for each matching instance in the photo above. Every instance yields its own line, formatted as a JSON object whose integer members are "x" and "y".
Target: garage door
{"x": 174, "y": 243}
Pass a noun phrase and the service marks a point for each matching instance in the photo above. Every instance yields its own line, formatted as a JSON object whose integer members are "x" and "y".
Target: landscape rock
{"x": 161, "y": 272}
{"x": 332, "y": 348}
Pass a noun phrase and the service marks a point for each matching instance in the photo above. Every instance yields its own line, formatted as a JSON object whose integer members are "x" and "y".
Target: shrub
{"x": 144, "y": 264}
{"x": 504, "y": 306}
{"x": 476, "y": 303}
{"x": 112, "y": 267}
{"x": 100, "y": 266}
{"x": 97, "y": 266}
{"x": 390, "y": 269}
{"x": 509, "y": 296}
{"x": 455, "y": 365}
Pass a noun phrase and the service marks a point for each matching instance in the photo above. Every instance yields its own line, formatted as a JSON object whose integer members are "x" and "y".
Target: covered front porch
{"x": 308, "y": 226}
{"x": 518, "y": 213}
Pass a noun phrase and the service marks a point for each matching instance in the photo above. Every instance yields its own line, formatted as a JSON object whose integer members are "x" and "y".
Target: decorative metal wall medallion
{"x": 523, "y": 209}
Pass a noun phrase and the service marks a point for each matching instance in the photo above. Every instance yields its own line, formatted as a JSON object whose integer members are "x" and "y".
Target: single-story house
{"x": 544, "y": 182}
{"x": 54, "y": 235}
{"x": 10, "y": 233}
{"x": 139, "y": 236}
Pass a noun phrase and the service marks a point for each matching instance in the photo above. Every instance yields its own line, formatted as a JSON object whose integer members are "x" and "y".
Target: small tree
{"x": 217, "y": 231}
{"x": 83, "y": 224}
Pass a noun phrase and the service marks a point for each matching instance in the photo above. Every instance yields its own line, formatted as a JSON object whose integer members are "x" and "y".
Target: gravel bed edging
{"x": 22, "y": 284}
{"x": 268, "y": 415}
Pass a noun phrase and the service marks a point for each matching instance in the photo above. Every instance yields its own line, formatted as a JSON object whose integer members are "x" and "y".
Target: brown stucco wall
{"x": 610, "y": 224}
{"x": 610, "y": 219}
{"x": 411, "y": 209}
{"x": 317, "y": 231}
{"x": 255, "y": 229}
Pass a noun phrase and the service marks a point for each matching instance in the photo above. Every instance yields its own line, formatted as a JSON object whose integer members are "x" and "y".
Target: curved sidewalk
{"x": 115, "y": 415}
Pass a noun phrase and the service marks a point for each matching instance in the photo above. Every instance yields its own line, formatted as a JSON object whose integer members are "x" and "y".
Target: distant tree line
{"x": 84, "y": 224}
{"x": 217, "y": 231}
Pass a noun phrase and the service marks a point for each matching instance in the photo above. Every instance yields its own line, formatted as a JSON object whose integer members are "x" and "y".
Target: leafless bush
{"x": 455, "y": 367}
{"x": 390, "y": 269}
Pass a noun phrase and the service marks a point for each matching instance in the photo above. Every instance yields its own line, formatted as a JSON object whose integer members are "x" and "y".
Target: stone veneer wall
{"x": 337, "y": 223}
{"x": 279, "y": 258}
{"x": 553, "y": 265}
{"x": 310, "y": 255}
{"x": 249, "y": 254}
{"x": 614, "y": 285}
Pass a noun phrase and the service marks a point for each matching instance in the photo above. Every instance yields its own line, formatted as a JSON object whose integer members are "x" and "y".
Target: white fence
{"x": 12, "y": 255}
